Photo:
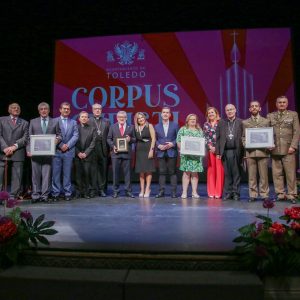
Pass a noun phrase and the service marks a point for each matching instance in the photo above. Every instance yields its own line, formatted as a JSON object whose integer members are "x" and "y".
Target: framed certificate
{"x": 122, "y": 145}
{"x": 192, "y": 145}
{"x": 259, "y": 138}
{"x": 42, "y": 144}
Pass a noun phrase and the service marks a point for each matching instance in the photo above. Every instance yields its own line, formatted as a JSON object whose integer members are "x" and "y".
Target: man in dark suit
{"x": 100, "y": 167}
{"x": 13, "y": 139}
{"x": 85, "y": 157}
{"x": 229, "y": 147}
{"x": 121, "y": 159}
{"x": 65, "y": 153}
{"x": 42, "y": 165}
{"x": 166, "y": 152}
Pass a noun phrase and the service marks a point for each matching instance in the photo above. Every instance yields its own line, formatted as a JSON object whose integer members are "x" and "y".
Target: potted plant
{"x": 19, "y": 231}
{"x": 272, "y": 250}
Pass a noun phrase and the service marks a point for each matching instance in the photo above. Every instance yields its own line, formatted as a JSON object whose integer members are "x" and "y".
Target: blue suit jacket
{"x": 69, "y": 136}
{"x": 162, "y": 139}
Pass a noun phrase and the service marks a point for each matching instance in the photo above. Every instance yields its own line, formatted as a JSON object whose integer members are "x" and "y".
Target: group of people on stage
{"x": 86, "y": 147}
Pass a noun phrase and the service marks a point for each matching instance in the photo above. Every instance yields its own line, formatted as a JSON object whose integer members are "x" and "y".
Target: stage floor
{"x": 163, "y": 225}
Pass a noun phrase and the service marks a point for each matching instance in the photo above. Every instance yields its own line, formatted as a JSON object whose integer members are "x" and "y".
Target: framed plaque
{"x": 42, "y": 144}
{"x": 192, "y": 145}
{"x": 122, "y": 145}
{"x": 259, "y": 137}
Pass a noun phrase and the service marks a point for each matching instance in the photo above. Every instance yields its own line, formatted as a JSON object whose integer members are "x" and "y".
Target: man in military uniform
{"x": 257, "y": 159}
{"x": 286, "y": 139}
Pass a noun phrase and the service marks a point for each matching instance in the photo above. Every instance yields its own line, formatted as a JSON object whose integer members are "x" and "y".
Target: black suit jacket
{"x": 114, "y": 133}
{"x": 86, "y": 142}
{"x": 221, "y": 133}
{"x": 105, "y": 124}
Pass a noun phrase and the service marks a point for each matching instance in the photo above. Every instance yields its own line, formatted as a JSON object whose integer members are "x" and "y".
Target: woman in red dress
{"x": 215, "y": 170}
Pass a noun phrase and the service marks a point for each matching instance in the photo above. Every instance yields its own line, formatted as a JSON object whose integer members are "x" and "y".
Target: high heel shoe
{"x": 184, "y": 196}
{"x": 141, "y": 195}
{"x": 195, "y": 196}
{"x": 147, "y": 195}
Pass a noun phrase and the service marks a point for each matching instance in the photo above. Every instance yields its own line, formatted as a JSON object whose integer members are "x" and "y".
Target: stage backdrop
{"x": 187, "y": 71}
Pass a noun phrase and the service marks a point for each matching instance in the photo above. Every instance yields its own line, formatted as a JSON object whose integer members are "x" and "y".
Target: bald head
{"x": 230, "y": 111}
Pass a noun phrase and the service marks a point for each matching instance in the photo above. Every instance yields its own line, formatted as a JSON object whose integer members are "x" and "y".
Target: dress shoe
{"x": 280, "y": 197}
{"x": 68, "y": 198}
{"x": 227, "y": 197}
{"x": 115, "y": 195}
{"x": 195, "y": 196}
{"x": 35, "y": 200}
{"x": 92, "y": 195}
{"x": 183, "y": 196}
{"x": 102, "y": 194}
{"x": 293, "y": 200}
{"x": 141, "y": 195}
{"x": 55, "y": 199}
{"x": 129, "y": 194}
{"x": 251, "y": 199}
{"x": 236, "y": 197}
{"x": 86, "y": 196}
{"x": 173, "y": 195}
{"x": 160, "y": 194}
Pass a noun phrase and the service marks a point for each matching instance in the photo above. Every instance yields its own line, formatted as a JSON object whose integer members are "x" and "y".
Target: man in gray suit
{"x": 42, "y": 165}
{"x": 13, "y": 139}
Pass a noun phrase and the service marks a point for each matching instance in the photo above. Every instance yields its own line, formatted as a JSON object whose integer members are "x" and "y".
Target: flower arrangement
{"x": 271, "y": 248}
{"x": 18, "y": 230}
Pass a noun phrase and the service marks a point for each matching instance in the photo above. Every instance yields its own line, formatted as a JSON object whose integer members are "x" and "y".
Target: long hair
{"x": 197, "y": 121}
{"x": 136, "y": 123}
{"x": 215, "y": 110}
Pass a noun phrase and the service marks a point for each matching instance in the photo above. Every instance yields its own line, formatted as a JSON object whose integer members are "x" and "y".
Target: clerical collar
{"x": 231, "y": 120}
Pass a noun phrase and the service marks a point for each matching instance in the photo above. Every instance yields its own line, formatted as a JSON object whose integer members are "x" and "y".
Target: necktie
{"x": 65, "y": 123}
{"x": 14, "y": 120}
{"x": 122, "y": 129}
{"x": 44, "y": 126}
{"x": 255, "y": 119}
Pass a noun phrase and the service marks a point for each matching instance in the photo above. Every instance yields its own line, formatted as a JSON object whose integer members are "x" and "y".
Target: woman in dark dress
{"x": 145, "y": 142}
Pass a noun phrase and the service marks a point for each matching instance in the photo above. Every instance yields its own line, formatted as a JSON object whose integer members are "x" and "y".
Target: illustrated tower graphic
{"x": 236, "y": 84}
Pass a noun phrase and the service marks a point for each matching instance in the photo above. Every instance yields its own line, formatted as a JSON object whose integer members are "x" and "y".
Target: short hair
{"x": 43, "y": 104}
{"x": 13, "y": 104}
{"x": 282, "y": 97}
{"x": 83, "y": 112}
{"x": 97, "y": 104}
{"x": 230, "y": 104}
{"x": 65, "y": 103}
{"x": 254, "y": 101}
{"x": 166, "y": 107}
{"x": 122, "y": 112}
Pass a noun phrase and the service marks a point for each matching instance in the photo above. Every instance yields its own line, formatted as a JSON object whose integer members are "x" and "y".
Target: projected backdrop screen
{"x": 187, "y": 71}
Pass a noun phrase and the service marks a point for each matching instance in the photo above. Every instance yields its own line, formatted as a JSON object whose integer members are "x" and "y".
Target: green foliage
{"x": 29, "y": 233}
{"x": 270, "y": 248}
